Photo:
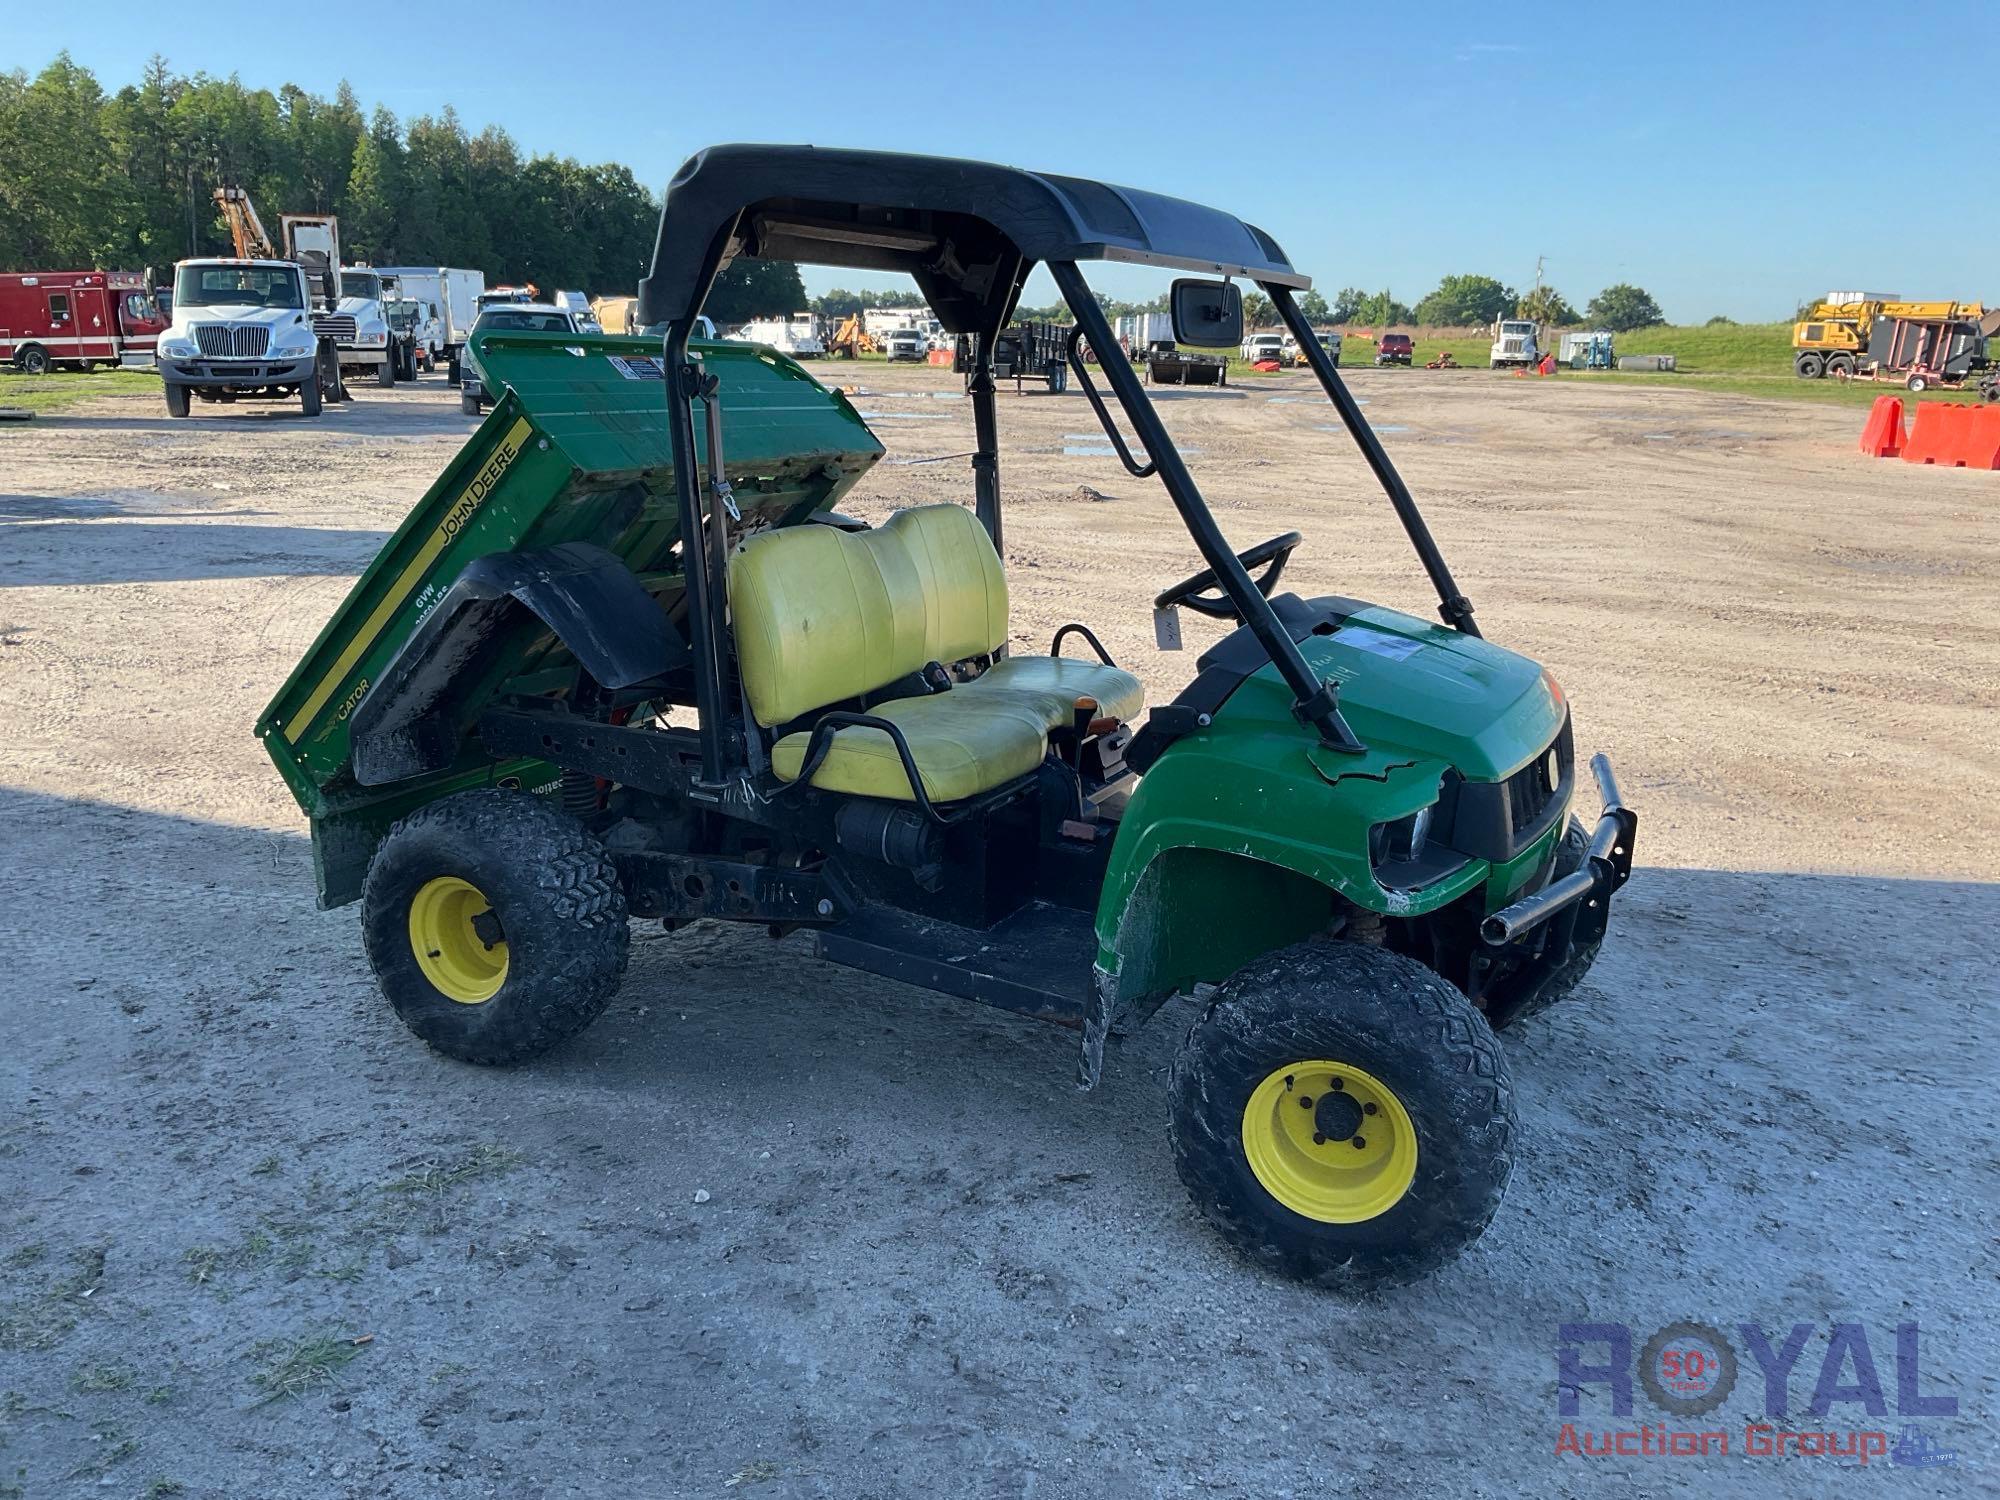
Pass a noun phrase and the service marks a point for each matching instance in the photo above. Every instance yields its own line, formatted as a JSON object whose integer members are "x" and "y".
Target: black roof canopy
{"x": 968, "y": 231}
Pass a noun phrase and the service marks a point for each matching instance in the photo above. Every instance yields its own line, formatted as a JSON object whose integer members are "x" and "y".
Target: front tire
{"x": 177, "y": 400}
{"x": 34, "y": 360}
{"x": 385, "y": 374}
{"x": 468, "y": 403}
{"x": 1310, "y": 1050}
{"x": 309, "y": 398}
{"x": 495, "y": 924}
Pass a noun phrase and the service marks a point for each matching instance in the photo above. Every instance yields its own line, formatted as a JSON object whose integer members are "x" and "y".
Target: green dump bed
{"x": 576, "y": 450}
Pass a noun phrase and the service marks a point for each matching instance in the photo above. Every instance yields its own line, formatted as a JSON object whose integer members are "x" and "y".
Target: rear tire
{"x": 177, "y": 400}
{"x": 1416, "y": 1067}
{"x": 452, "y": 374}
{"x": 385, "y": 373}
{"x": 526, "y": 960}
{"x": 1840, "y": 367}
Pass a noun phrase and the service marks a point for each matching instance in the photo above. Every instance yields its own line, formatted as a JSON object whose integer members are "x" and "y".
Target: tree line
{"x": 125, "y": 180}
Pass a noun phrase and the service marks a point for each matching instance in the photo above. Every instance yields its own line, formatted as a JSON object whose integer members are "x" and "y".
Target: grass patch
{"x": 48, "y": 393}
{"x": 268, "y": 1167}
{"x": 43, "y": 1319}
{"x": 159, "y": 1489}
{"x": 440, "y": 1177}
{"x": 301, "y": 1366}
{"x": 98, "y": 1379}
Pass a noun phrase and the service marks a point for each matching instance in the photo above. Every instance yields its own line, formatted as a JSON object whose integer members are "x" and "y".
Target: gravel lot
{"x": 776, "y": 1229}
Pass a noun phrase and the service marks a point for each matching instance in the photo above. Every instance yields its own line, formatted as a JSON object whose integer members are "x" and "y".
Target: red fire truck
{"x": 77, "y": 319}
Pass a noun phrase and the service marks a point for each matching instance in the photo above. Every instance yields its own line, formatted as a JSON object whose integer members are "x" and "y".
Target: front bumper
{"x": 1581, "y": 900}
{"x": 237, "y": 374}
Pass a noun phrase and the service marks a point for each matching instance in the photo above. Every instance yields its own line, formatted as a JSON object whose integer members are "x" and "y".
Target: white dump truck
{"x": 348, "y": 303}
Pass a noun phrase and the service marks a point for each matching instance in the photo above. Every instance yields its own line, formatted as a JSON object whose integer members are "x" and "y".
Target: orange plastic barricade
{"x": 1882, "y": 437}
{"x": 1940, "y": 433}
{"x": 1982, "y": 444}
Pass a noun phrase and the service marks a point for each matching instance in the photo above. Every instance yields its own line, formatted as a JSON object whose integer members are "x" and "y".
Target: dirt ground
{"x": 774, "y": 1228}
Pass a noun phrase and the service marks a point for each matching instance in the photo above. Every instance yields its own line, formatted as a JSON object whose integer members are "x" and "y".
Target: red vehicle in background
{"x": 1394, "y": 349}
{"x": 77, "y": 319}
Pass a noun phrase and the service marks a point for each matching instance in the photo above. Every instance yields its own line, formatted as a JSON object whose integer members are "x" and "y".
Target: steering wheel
{"x": 1192, "y": 592}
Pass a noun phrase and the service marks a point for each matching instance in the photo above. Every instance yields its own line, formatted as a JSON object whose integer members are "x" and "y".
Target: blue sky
{"x": 1730, "y": 159}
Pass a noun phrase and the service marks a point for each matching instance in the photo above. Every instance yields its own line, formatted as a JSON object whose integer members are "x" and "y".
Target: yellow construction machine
{"x": 1834, "y": 336}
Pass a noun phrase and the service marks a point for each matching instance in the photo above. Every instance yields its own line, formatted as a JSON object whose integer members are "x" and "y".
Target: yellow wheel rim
{"x": 450, "y": 950}
{"x": 1330, "y": 1142}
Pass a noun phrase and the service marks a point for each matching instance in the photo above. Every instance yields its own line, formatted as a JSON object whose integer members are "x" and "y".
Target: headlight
{"x": 1401, "y": 841}
{"x": 281, "y": 346}
{"x": 373, "y": 338}
{"x": 177, "y": 348}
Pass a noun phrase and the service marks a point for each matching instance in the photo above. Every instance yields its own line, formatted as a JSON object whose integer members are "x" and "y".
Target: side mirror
{"x": 1207, "y": 314}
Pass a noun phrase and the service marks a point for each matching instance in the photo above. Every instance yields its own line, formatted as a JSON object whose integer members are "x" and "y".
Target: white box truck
{"x": 456, "y": 294}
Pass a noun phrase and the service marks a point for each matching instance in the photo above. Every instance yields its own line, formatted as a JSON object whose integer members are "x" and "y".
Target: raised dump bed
{"x": 564, "y": 494}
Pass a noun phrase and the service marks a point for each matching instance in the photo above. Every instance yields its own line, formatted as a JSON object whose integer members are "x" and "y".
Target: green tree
{"x": 1461, "y": 301}
{"x": 1623, "y": 308}
{"x": 1379, "y": 309}
{"x": 1314, "y": 308}
{"x": 1720, "y": 320}
{"x": 1547, "y": 306}
{"x": 367, "y": 216}
{"x": 749, "y": 289}
{"x": 1258, "y": 312}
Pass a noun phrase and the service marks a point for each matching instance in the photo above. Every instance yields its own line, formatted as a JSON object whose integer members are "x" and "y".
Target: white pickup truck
{"x": 241, "y": 331}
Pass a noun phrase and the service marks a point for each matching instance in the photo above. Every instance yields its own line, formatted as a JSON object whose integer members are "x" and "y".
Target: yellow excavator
{"x": 1834, "y": 336}
{"x": 851, "y": 338}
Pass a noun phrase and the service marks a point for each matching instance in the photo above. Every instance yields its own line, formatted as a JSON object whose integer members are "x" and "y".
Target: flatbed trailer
{"x": 1021, "y": 352}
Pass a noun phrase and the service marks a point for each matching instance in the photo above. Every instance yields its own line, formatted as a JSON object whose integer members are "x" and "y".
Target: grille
{"x": 232, "y": 340}
{"x": 336, "y": 327}
{"x": 1530, "y": 789}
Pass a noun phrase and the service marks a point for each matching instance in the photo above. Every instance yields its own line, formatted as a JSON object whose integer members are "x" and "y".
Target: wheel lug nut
{"x": 1305, "y": 1102}
{"x": 1368, "y": 1109}
{"x": 1318, "y": 1139}
{"x": 1337, "y": 1085}
{"x": 1359, "y": 1143}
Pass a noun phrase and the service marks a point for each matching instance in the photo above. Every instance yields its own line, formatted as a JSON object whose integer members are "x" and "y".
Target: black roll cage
{"x": 1315, "y": 701}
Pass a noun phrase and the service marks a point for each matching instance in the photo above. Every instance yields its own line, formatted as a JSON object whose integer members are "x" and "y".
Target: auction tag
{"x": 1167, "y": 628}
{"x": 637, "y": 366}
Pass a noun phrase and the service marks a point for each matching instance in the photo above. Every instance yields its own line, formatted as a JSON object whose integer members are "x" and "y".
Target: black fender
{"x": 415, "y": 718}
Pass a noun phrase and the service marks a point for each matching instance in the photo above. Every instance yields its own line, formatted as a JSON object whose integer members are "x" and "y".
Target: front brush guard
{"x": 1583, "y": 897}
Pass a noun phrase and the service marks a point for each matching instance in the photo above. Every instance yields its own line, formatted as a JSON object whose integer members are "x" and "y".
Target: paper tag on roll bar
{"x": 1167, "y": 628}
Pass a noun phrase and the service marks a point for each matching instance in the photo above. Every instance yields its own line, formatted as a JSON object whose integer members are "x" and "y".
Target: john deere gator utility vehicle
{"x": 627, "y": 659}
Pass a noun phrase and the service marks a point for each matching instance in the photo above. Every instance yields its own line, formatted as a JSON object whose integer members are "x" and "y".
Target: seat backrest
{"x": 823, "y": 615}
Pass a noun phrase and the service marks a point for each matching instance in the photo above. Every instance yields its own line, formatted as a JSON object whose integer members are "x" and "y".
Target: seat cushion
{"x": 1064, "y": 679}
{"x": 822, "y": 615}
{"x": 963, "y": 743}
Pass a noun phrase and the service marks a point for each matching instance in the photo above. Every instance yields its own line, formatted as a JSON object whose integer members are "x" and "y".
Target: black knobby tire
{"x": 177, "y": 400}
{"x": 1809, "y": 366}
{"x": 1570, "y": 856}
{"x": 559, "y": 904}
{"x": 1377, "y": 1011}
